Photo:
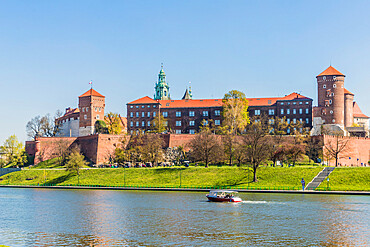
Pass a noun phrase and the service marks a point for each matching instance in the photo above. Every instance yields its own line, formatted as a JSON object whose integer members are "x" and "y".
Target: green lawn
{"x": 268, "y": 177}
{"x": 348, "y": 178}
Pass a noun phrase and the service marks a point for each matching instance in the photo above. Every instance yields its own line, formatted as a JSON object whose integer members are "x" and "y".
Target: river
{"x": 46, "y": 217}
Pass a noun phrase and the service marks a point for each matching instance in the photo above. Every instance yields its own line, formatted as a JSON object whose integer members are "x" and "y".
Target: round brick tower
{"x": 331, "y": 96}
{"x": 348, "y": 108}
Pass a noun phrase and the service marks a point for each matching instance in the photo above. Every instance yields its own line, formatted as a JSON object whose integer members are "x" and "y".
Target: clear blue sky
{"x": 50, "y": 50}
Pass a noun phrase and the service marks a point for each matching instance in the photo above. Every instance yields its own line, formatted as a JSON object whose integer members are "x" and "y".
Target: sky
{"x": 50, "y": 50}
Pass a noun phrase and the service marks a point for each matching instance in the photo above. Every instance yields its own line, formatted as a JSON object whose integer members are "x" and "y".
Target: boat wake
{"x": 261, "y": 202}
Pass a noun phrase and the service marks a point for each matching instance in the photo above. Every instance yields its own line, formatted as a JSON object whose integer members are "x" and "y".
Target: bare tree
{"x": 206, "y": 147}
{"x": 257, "y": 145}
{"x": 336, "y": 147}
{"x": 34, "y": 127}
{"x": 152, "y": 149}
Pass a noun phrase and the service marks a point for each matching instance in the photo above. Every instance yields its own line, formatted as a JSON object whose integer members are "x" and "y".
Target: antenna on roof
{"x": 161, "y": 65}
{"x": 90, "y": 83}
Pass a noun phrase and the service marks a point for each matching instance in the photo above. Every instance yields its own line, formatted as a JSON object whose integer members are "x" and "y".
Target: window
{"x": 205, "y": 122}
{"x": 87, "y": 109}
{"x": 331, "y": 112}
{"x": 324, "y": 86}
{"x": 131, "y": 132}
{"x": 191, "y": 123}
{"x": 334, "y": 85}
{"x": 300, "y": 111}
{"x": 178, "y": 123}
{"x": 288, "y": 103}
{"x": 288, "y": 131}
{"x": 282, "y": 111}
{"x": 217, "y": 112}
{"x": 85, "y": 116}
{"x": 281, "y": 103}
{"x": 165, "y": 123}
{"x": 137, "y": 106}
{"x": 191, "y": 132}
{"x": 131, "y": 123}
{"x": 148, "y": 123}
{"x": 154, "y": 114}
{"x": 148, "y": 106}
{"x": 217, "y": 122}
{"x": 154, "y": 106}
{"x": 294, "y": 120}
{"x": 294, "y": 103}
{"x": 131, "y": 106}
{"x": 271, "y": 111}
{"x": 307, "y": 110}
{"x": 142, "y": 106}
{"x": 178, "y": 114}
{"x": 330, "y": 101}
{"x": 205, "y": 113}
{"x": 333, "y": 120}
{"x": 131, "y": 114}
{"x": 301, "y": 103}
{"x": 178, "y": 131}
{"x": 307, "y": 103}
{"x": 287, "y": 111}
{"x": 300, "y": 120}
{"x": 97, "y": 117}
{"x": 271, "y": 121}
{"x": 191, "y": 113}
{"x": 294, "y": 111}
{"x": 83, "y": 109}
{"x": 137, "y": 123}
{"x": 165, "y": 114}
{"x": 137, "y": 114}
{"x": 143, "y": 114}
{"x": 334, "y": 77}
{"x": 96, "y": 108}
{"x": 143, "y": 123}
{"x": 324, "y": 78}
{"x": 288, "y": 120}
{"x": 148, "y": 114}
{"x": 257, "y": 112}
{"x": 307, "y": 120}
{"x": 99, "y": 109}
{"x": 269, "y": 102}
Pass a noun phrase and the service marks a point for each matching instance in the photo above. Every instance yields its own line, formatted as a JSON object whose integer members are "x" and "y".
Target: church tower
{"x": 162, "y": 90}
{"x": 331, "y": 92}
{"x": 91, "y": 105}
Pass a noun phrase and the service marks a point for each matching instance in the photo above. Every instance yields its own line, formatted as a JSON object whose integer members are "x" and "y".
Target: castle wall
{"x": 348, "y": 110}
{"x": 70, "y": 128}
{"x": 356, "y": 153}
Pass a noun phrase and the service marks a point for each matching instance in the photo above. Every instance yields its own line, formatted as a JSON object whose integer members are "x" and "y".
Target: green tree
{"x": 235, "y": 111}
{"x": 75, "y": 161}
{"x": 13, "y": 151}
{"x": 159, "y": 124}
{"x": 100, "y": 127}
{"x": 113, "y": 123}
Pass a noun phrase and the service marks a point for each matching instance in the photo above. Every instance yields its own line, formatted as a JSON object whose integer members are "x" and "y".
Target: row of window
{"x": 295, "y": 102}
{"x": 148, "y": 114}
{"x": 143, "y": 106}
{"x": 178, "y": 123}
{"x": 300, "y": 110}
{"x": 178, "y": 114}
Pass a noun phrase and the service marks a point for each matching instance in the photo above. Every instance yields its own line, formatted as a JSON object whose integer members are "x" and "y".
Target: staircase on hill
{"x": 316, "y": 181}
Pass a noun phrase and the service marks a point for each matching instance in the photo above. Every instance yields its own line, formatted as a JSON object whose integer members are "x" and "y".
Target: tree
{"x": 159, "y": 124}
{"x": 75, "y": 161}
{"x": 152, "y": 148}
{"x": 100, "y": 127}
{"x": 257, "y": 145}
{"x": 34, "y": 127}
{"x": 206, "y": 147}
{"x": 314, "y": 148}
{"x": 113, "y": 123}
{"x": 13, "y": 151}
{"x": 235, "y": 111}
{"x": 336, "y": 146}
{"x": 43, "y": 126}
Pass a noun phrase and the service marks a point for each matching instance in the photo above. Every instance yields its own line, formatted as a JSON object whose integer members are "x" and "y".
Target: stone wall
{"x": 356, "y": 153}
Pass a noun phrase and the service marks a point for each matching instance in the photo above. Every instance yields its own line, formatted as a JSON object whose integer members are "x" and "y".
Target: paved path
{"x": 193, "y": 190}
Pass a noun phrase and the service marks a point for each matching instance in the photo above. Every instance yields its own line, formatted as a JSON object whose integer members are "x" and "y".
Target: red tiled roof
{"x": 143, "y": 100}
{"x": 347, "y": 92}
{"x": 92, "y": 92}
{"x": 357, "y": 111}
{"x": 190, "y": 103}
{"x": 330, "y": 71}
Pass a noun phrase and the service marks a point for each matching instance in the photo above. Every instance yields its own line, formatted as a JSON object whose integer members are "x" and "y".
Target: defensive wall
{"x": 355, "y": 153}
{"x": 100, "y": 148}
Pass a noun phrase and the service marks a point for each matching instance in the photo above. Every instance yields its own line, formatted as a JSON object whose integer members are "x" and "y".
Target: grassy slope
{"x": 349, "y": 178}
{"x": 225, "y": 176}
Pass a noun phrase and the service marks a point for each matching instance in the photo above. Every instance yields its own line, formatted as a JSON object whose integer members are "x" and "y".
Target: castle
{"x": 337, "y": 110}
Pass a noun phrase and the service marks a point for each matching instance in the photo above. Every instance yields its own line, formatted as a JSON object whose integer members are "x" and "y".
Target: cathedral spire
{"x": 162, "y": 90}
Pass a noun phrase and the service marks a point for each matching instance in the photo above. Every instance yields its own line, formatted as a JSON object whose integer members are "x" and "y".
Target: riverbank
{"x": 269, "y": 178}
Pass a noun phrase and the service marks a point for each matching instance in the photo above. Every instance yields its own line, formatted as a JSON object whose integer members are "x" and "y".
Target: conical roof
{"x": 186, "y": 95}
{"x": 92, "y": 92}
{"x": 330, "y": 71}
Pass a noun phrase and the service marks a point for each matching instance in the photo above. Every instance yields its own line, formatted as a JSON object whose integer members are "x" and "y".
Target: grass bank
{"x": 345, "y": 179}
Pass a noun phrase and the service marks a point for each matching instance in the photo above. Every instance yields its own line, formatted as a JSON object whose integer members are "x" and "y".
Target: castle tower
{"x": 162, "y": 90}
{"x": 91, "y": 106}
{"x": 348, "y": 108}
{"x": 330, "y": 85}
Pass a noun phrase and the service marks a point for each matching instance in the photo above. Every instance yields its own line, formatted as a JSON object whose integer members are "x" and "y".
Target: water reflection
{"x": 119, "y": 218}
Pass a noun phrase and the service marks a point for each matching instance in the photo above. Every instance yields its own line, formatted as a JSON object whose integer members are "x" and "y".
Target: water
{"x": 42, "y": 217}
